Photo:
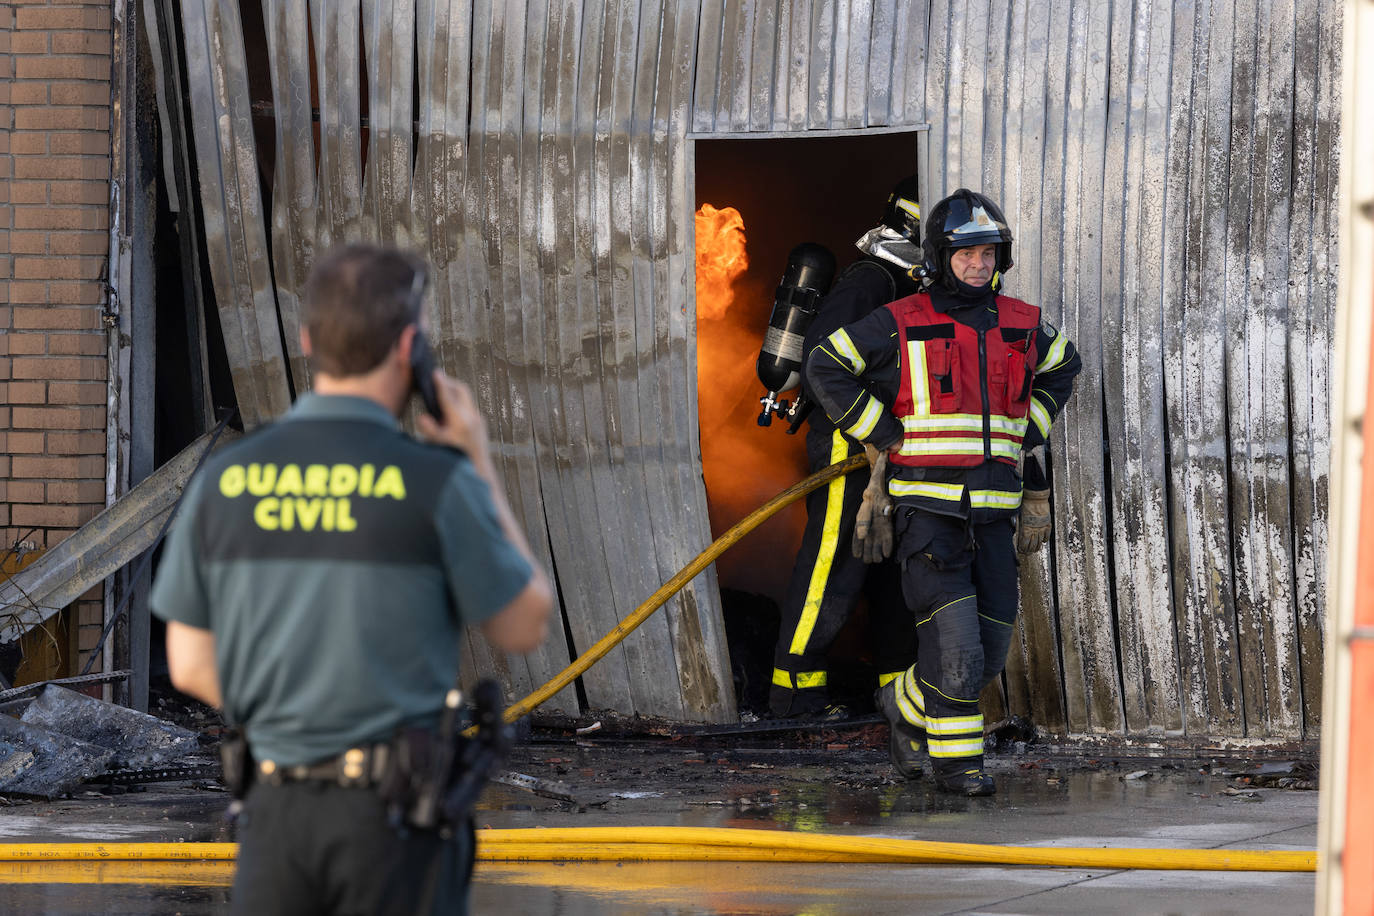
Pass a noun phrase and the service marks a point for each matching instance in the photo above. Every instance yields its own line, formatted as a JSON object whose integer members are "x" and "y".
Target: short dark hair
{"x": 358, "y": 299}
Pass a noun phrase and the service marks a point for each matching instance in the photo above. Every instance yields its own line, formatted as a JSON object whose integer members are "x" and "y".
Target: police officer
{"x": 828, "y": 579}
{"x": 315, "y": 588}
{"x": 974, "y": 379}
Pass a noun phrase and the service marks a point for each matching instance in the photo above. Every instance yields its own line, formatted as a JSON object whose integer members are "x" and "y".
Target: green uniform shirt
{"x": 336, "y": 560}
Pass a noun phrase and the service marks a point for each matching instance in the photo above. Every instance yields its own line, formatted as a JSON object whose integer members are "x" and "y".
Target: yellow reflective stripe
{"x": 920, "y": 379}
{"x": 942, "y": 447}
{"x": 804, "y": 679}
{"x": 959, "y": 748}
{"x": 868, "y": 420}
{"x": 1004, "y": 448}
{"x": 825, "y": 553}
{"x": 1040, "y": 415}
{"x": 973, "y": 598}
{"x": 910, "y": 711}
{"x": 1054, "y": 355}
{"x": 951, "y": 491}
{"x": 994, "y": 499}
{"x": 888, "y": 678}
{"x": 845, "y": 348}
{"x": 954, "y": 725}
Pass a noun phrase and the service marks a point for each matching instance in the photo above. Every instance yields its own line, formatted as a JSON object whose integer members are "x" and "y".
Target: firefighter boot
{"x": 906, "y": 741}
{"x": 965, "y": 777}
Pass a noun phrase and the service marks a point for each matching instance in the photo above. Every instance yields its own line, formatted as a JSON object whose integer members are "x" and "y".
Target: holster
{"x": 236, "y": 763}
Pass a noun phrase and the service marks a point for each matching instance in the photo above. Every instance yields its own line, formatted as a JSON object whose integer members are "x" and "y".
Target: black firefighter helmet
{"x": 963, "y": 219}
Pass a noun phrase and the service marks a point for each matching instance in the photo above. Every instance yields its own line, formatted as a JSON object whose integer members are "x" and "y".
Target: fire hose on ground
{"x": 719, "y": 844}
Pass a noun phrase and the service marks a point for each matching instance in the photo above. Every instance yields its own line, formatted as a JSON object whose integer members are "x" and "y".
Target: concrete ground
{"x": 834, "y": 782}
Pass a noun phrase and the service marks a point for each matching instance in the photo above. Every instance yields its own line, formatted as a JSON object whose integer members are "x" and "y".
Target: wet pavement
{"x": 836, "y": 784}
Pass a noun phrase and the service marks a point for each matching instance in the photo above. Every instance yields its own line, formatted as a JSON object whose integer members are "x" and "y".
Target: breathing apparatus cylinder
{"x": 810, "y": 270}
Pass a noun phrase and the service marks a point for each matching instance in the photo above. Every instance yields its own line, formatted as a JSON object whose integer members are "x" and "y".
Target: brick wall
{"x": 55, "y": 69}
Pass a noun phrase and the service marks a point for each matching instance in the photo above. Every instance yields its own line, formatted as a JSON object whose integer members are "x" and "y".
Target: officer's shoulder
{"x": 866, "y": 276}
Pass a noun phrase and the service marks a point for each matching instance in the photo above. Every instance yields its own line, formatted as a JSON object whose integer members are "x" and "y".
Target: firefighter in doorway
{"x": 974, "y": 379}
{"x": 828, "y": 579}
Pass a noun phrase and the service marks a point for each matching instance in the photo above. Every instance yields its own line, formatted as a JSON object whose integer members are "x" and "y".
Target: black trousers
{"x": 826, "y": 586}
{"x": 311, "y": 848}
{"x": 960, "y": 581}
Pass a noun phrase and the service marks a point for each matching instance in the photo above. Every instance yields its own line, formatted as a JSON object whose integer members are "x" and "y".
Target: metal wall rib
{"x": 1169, "y": 170}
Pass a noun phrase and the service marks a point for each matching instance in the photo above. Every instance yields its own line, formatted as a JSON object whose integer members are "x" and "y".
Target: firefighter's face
{"x": 974, "y": 265}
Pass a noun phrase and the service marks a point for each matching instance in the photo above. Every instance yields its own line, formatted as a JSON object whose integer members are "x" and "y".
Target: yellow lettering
{"x": 232, "y": 481}
{"x": 289, "y": 481}
{"x": 261, "y": 478}
{"x": 343, "y": 480}
{"x": 308, "y": 513}
{"x": 390, "y": 483}
{"x": 345, "y": 520}
{"x": 366, "y": 473}
{"x": 327, "y": 522}
{"x": 286, "y": 516}
{"x": 316, "y": 480}
{"x": 263, "y": 514}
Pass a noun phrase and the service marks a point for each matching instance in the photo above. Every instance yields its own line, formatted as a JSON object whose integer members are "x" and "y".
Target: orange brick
{"x": 26, "y": 292}
{"x": 27, "y": 443}
{"x": 4, "y": 465}
{"x": 29, "y": 344}
{"x": 49, "y": 516}
{"x": 29, "y": 94}
{"x": 61, "y": 218}
{"x": 77, "y": 393}
{"x": 78, "y": 243}
{"x": 78, "y": 293}
{"x": 28, "y": 242}
{"x": 79, "y": 443}
{"x": 80, "y": 143}
{"x": 88, "y": 467}
{"x": 58, "y": 267}
{"x": 29, "y": 143}
{"x": 76, "y": 344}
{"x": 33, "y": 192}
{"x": 62, "y": 68}
{"x": 95, "y": 18}
{"x": 77, "y": 43}
{"x": 55, "y": 319}
{"x": 79, "y": 192}
{"x": 27, "y": 392}
{"x": 26, "y": 491}
{"x": 72, "y": 368}
{"x": 76, "y": 491}
{"x": 55, "y": 167}
{"x": 31, "y": 42}
{"x": 79, "y": 93}
{"x": 53, "y": 418}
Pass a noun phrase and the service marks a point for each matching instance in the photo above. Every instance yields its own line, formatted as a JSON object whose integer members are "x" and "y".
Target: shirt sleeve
{"x": 179, "y": 591}
{"x": 1054, "y": 374}
{"x": 485, "y": 571}
{"x": 837, "y": 367}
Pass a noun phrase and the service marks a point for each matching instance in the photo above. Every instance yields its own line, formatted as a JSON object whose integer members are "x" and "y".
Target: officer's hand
{"x": 463, "y": 426}
{"x": 1033, "y": 525}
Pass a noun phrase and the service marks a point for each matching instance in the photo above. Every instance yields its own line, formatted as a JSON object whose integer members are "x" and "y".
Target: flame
{"x": 743, "y": 464}
{"x": 721, "y": 259}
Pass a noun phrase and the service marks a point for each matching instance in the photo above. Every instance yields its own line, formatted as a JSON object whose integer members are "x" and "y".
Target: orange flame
{"x": 743, "y": 465}
{"x": 721, "y": 259}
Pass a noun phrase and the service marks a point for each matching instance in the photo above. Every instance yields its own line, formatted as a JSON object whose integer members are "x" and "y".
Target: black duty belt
{"x": 356, "y": 768}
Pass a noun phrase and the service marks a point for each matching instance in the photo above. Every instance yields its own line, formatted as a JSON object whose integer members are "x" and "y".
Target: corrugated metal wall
{"x": 1169, "y": 170}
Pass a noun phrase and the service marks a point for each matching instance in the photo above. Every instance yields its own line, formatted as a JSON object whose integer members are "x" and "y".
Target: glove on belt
{"x": 1033, "y": 525}
{"x": 873, "y": 524}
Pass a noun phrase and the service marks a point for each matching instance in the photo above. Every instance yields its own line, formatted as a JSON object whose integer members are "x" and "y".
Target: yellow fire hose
{"x": 731, "y": 844}
{"x": 708, "y": 844}
{"x": 686, "y": 574}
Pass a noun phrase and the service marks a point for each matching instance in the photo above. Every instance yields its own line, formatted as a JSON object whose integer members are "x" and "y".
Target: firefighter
{"x": 974, "y": 379}
{"x": 316, "y": 587}
{"x": 828, "y": 579}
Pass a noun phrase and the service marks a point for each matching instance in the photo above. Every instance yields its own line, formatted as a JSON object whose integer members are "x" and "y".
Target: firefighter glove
{"x": 873, "y": 524}
{"x": 1033, "y": 525}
